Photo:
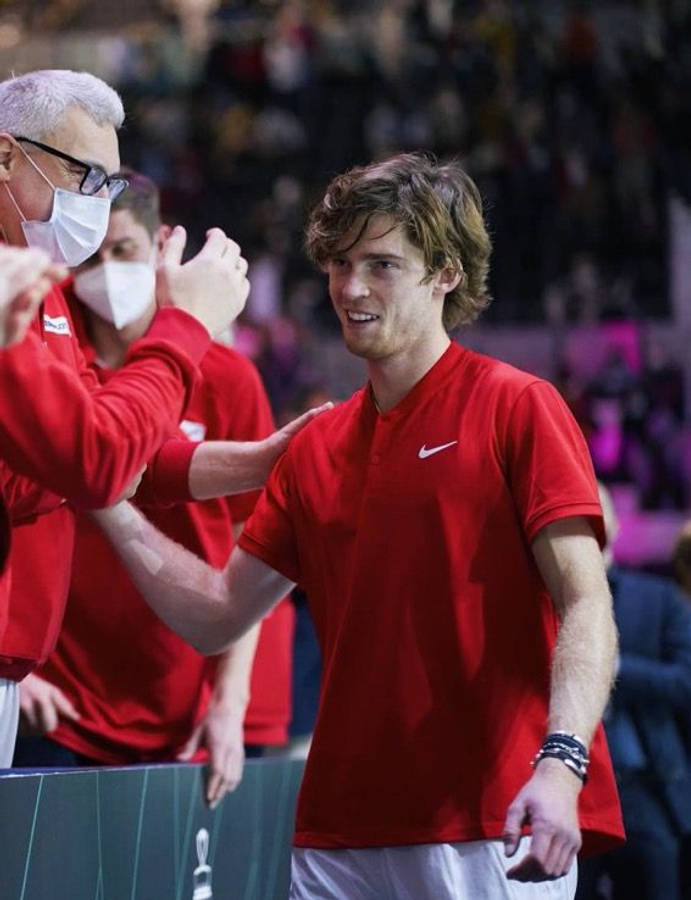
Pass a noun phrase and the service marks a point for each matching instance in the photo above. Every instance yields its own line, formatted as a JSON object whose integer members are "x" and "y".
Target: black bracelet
{"x": 572, "y": 763}
{"x": 568, "y": 748}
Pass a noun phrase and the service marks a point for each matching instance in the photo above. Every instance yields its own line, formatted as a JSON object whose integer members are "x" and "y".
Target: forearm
{"x": 189, "y": 595}
{"x": 571, "y": 565}
{"x": 220, "y": 468}
{"x": 583, "y": 665}
{"x": 231, "y": 689}
{"x": 207, "y": 608}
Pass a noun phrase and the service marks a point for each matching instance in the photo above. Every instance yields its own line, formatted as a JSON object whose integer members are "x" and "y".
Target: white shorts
{"x": 474, "y": 870}
{"x": 9, "y": 720}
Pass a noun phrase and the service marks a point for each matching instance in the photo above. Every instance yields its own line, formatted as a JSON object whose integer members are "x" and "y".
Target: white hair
{"x": 34, "y": 104}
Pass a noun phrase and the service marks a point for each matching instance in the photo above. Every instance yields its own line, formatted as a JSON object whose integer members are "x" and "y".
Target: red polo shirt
{"x": 410, "y": 532}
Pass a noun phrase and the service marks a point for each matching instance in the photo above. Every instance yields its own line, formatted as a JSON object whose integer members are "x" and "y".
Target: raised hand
{"x": 212, "y": 286}
{"x": 26, "y": 275}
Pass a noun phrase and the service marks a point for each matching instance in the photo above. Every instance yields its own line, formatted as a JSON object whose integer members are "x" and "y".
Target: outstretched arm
{"x": 232, "y": 467}
{"x": 208, "y": 608}
{"x": 571, "y": 566}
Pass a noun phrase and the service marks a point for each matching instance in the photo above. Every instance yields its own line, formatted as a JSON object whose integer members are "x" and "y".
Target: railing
{"x": 145, "y": 833}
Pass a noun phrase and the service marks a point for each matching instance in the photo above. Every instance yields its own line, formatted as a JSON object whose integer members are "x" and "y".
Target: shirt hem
{"x": 597, "y": 837}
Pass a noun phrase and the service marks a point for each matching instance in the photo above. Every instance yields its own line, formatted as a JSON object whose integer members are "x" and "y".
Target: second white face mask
{"x": 119, "y": 292}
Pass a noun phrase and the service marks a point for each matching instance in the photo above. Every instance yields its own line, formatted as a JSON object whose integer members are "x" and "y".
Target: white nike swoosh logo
{"x": 423, "y": 453}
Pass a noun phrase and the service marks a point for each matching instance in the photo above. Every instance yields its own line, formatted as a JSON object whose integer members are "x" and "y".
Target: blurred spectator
{"x": 681, "y": 561}
{"x": 646, "y": 725}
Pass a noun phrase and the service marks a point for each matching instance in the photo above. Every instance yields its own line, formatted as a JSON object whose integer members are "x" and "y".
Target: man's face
{"x": 377, "y": 287}
{"x": 78, "y": 136}
{"x": 126, "y": 240}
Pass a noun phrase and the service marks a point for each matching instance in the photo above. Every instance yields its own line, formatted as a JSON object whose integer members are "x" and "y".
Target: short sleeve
{"x": 269, "y": 533}
{"x": 548, "y": 464}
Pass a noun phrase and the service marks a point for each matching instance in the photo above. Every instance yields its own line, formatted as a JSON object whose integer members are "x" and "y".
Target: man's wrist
{"x": 568, "y": 749}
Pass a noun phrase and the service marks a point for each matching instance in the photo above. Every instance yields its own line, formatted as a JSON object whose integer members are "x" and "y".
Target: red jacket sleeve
{"x": 235, "y": 400}
{"x": 87, "y": 442}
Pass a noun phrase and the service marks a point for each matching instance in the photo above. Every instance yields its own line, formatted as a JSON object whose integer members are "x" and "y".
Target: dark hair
{"x": 440, "y": 208}
{"x": 142, "y": 199}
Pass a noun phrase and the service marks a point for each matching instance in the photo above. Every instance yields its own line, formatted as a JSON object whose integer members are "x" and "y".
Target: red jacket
{"x": 61, "y": 430}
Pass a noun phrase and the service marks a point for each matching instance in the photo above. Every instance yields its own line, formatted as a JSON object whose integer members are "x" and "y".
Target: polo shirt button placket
{"x": 381, "y": 434}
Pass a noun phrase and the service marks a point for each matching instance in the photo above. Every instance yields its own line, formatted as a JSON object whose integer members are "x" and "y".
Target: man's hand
{"x": 211, "y": 286}
{"x": 41, "y": 706}
{"x": 26, "y": 276}
{"x": 277, "y": 443}
{"x": 219, "y": 468}
{"x": 549, "y": 802}
{"x": 221, "y": 732}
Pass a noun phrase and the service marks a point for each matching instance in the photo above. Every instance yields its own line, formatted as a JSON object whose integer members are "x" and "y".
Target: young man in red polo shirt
{"x": 444, "y": 523}
{"x": 122, "y": 688}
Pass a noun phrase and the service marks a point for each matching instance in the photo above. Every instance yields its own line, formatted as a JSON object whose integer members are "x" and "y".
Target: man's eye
{"x": 384, "y": 264}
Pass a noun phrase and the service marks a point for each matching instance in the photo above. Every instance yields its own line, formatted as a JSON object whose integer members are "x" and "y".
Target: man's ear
{"x": 161, "y": 237}
{"x": 9, "y": 154}
{"x": 447, "y": 279}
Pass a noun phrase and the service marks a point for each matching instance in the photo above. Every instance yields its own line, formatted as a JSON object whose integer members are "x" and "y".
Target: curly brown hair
{"x": 440, "y": 208}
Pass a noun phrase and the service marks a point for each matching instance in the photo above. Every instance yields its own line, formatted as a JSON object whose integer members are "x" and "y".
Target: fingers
{"x": 42, "y": 706}
{"x": 46, "y": 716}
{"x": 191, "y": 746}
{"x": 511, "y": 834}
{"x": 173, "y": 248}
{"x": 298, "y": 424}
{"x": 550, "y": 856}
{"x": 63, "y": 706}
{"x": 225, "y": 773}
{"x": 219, "y": 244}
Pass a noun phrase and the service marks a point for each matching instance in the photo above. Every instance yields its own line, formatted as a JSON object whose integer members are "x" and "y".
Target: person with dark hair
{"x": 444, "y": 524}
{"x": 124, "y": 689}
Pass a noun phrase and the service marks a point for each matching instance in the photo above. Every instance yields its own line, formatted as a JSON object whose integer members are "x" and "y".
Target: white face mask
{"x": 76, "y": 227}
{"x": 119, "y": 292}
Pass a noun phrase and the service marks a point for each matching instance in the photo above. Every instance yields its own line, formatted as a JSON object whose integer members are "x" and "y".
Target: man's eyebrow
{"x": 371, "y": 256}
{"x": 118, "y": 242}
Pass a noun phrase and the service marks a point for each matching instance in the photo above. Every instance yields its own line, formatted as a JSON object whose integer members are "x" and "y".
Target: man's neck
{"x": 396, "y": 376}
{"x": 111, "y": 344}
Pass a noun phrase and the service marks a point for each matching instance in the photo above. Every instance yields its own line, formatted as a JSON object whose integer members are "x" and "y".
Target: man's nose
{"x": 354, "y": 285}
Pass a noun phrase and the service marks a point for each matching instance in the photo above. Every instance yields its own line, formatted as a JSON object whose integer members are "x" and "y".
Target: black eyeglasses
{"x": 95, "y": 178}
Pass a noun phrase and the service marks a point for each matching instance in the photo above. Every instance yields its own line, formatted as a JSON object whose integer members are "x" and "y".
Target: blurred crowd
{"x": 571, "y": 117}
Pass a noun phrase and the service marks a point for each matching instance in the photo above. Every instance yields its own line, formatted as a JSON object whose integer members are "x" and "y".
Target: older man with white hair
{"x": 62, "y": 436}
